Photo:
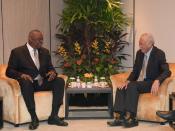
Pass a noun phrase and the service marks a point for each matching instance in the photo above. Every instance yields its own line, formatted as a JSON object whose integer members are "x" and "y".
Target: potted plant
{"x": 91, "y": 34}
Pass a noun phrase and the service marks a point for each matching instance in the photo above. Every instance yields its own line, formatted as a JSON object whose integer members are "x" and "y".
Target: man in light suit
{"x": 149, "y": 71}
{"x": 31, "y": 66}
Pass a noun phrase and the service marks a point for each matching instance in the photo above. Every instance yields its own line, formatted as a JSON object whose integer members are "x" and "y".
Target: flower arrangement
{"x": 88, "y": 77}
{"x": 99, "y": 61}
{"x": 91, "y": 35}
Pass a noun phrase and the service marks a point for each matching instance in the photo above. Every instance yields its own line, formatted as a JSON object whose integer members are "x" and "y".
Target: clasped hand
{"x": 51, "y": 75}
{"x": 123, "y": 85}
{"x": 27, "y": 77}
{"x": 155, "y": 87}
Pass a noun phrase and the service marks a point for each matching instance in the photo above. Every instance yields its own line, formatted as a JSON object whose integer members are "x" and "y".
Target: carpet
{"x": 89, "y": 125}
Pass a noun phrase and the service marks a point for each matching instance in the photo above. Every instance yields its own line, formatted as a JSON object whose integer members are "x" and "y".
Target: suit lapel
{"x": 28, "y": 57}
{"x": 141, "y": 61}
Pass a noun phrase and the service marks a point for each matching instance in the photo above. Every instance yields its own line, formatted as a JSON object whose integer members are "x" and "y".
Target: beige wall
{"x": 128, "y": 9}
{"x": 158, "y": 18}
{"x": 1, "y": 41}
{"x": 56, "y": 9}
{"x": 21, "y": 16}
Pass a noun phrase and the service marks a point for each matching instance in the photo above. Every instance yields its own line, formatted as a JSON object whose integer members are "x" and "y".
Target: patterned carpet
{"x": 89, "y": 125}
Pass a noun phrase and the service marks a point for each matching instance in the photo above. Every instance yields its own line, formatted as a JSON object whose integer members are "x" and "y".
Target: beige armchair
{"x": 149, "y": 104}
{"x": 14, "y": 108}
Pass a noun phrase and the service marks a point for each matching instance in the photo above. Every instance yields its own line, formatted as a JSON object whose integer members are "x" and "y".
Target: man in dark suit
{"x": 31, "y": 66}
{"x": 149, "y": 71}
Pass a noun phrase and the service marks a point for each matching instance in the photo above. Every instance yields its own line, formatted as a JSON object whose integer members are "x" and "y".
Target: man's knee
{"x": 25, "y": 83}
{"x": 120, "y": 91}
{"x": 59, "y": 83}
{"x": 132, "y": 86}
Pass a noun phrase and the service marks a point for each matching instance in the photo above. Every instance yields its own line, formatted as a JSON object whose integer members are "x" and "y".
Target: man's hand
{"x": 123, "y": 85}
{"x": 26, "y": 77}
{"x": 155, "y": 87}
{"x": 51, "y": 75}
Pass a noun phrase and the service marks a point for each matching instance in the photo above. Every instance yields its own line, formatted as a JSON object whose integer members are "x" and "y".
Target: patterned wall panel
{"x": 21, "y": 16}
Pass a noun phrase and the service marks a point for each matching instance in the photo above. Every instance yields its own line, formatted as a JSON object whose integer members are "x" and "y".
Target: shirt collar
{"x": 29, "y": 47}
{"x": 148, "y": 53}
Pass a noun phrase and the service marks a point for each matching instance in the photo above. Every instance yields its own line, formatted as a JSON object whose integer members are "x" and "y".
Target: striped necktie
{"x": 143, "y": 70}
{"x": 36, "y": 59}
{"x": 144, "y": 66}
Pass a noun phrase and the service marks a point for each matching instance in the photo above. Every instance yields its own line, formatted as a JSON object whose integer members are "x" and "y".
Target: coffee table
{"x": 93, "y": 90}
{"x": 1, "y": 112}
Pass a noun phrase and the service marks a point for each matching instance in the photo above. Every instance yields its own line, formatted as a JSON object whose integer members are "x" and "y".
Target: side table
{"x": 1, "y": 112}
{"x": 171, "y": 98}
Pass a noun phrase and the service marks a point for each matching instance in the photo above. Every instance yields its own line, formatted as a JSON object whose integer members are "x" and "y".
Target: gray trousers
{"x": 126, "y": 100}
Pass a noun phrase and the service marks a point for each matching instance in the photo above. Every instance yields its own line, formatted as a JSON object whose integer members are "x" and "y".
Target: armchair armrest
{"x": 171, "y": 86}
{"x": 15, "y": 87}
{"x": 164, "y": 87}
{"x": 63, "y": 76}
{"x": 120, "y": 78}
{"x": 13, "y": 84}
{"x": 117, "y": 79}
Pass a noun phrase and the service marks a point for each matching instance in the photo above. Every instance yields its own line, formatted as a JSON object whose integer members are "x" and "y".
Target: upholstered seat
{"x": 148, "y": 103}
{"x": 15, "y": 110}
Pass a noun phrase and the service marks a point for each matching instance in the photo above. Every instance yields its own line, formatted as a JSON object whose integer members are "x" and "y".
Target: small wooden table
{"x": 171, "y": 98}
{"x": 1, "y": 112}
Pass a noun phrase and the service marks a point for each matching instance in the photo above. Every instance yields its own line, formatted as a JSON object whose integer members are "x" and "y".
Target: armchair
{"x": 148, "y": 104}
{"x": 14, "y": 108}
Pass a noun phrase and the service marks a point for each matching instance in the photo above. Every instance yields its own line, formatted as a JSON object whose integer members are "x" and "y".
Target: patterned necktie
{"x": 36, "y": 59}
{"x": 143, "y": 71}
{"x": 144, "y": 66}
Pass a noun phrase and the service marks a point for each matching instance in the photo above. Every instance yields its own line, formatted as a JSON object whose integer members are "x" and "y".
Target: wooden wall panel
{"x": 129, "y": 11}
{"x": 157, "y": 17}
{"x": 21, "y": 16}
{"x": 1, "y": 41}
{"x": 56, "y": 9}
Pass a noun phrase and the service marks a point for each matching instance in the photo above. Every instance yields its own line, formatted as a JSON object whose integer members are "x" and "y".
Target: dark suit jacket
{"x": 157, "y": 68}
{"x": 21, "y": 62}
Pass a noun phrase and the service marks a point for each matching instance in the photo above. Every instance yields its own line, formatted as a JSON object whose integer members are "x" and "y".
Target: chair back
{"x": 3, "y": 68}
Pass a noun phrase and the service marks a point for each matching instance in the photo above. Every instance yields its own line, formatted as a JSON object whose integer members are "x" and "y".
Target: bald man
{"x": 149, "y": 71}
{"x": 31, "y": 66}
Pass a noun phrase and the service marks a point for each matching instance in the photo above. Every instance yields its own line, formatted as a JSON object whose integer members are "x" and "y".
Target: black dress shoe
{"x": 34, "y": 124}
{"x": 57, "y": 121}
{"x": 167, "y": 115}
{"x": 130, "y": 122}
{"x": 116, "y": 122}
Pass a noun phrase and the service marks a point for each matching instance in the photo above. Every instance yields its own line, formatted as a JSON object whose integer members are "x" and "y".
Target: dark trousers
{"x": 126, "y": 100}
{"x": 28, "y": 89}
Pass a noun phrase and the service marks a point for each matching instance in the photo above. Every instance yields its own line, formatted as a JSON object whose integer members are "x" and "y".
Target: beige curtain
{"x": 21, "y": 16}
